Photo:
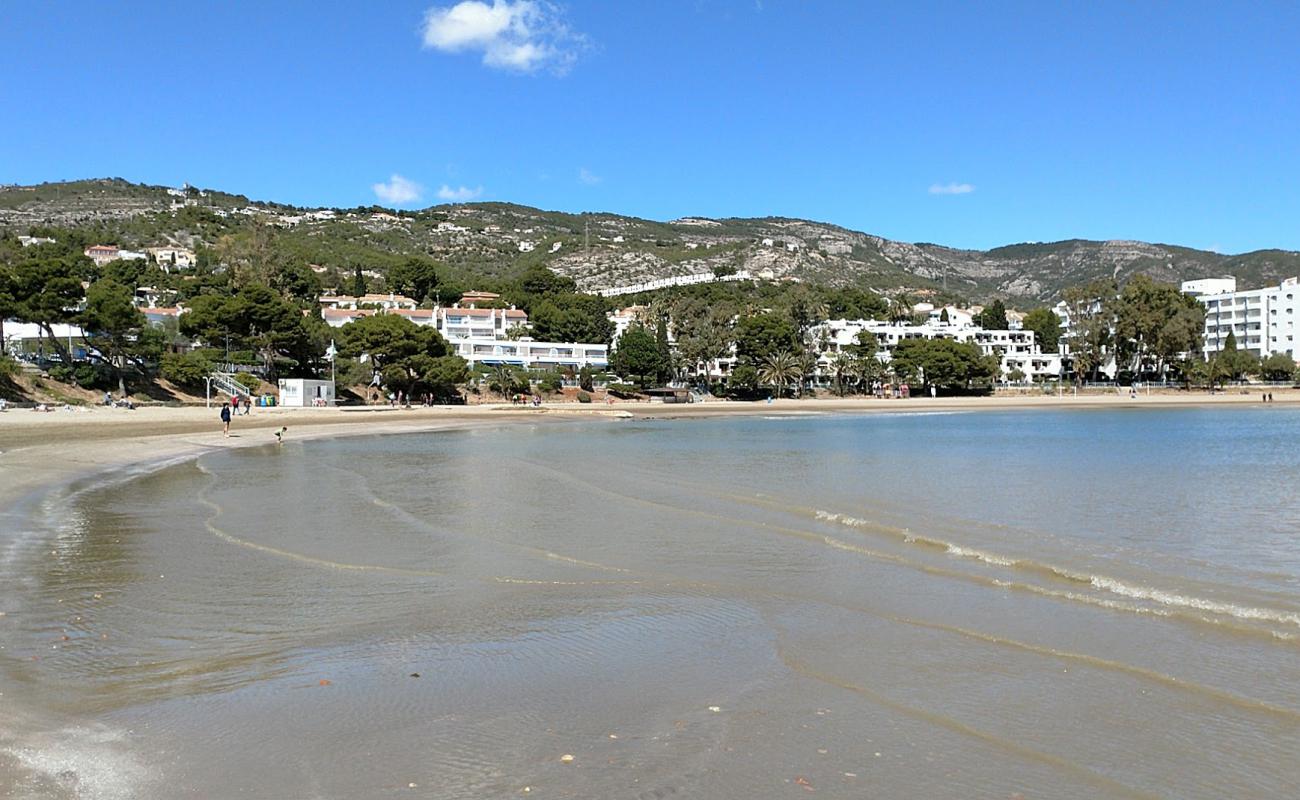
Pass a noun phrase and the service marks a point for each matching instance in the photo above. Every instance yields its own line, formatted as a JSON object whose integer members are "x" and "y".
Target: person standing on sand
{"x": 225, "y": 419}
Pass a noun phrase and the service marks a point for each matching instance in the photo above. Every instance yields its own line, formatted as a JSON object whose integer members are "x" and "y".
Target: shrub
{"x": 550, "y": 382}
{"x": 583, "y": 397}
{"x": 61, "y": 373}
{"x": 622, "y": 389}
{"x": 8, "y": 367}
{"x": 186, "y": 370}
{"x": 90, "y": 376}
{"x": 248, "y": 380}
{"x": 744, "y": 383}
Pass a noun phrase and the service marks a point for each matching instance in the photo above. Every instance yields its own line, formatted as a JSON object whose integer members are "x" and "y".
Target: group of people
{"x": 399, "y": 399}
{"x": 523, "y": 400}
{"x": 125, "y": 402}
{"x": 228, "y": 410}
{"x": 1267, "y": 397}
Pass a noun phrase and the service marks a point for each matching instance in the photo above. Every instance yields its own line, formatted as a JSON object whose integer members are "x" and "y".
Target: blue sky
{"x": 942, "y": 122}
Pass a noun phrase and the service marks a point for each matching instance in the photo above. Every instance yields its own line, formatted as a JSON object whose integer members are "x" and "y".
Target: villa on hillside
{"x": 383, "y": 301}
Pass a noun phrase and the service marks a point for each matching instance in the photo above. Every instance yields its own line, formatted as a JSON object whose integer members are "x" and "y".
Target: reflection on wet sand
{"x": 730, "y": 608}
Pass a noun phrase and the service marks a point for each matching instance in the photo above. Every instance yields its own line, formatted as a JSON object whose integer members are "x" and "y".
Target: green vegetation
{"x": 945, "y": 364}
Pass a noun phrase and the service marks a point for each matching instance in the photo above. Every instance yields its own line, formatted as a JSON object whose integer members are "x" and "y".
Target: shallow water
{"x": 1037, "y": 604}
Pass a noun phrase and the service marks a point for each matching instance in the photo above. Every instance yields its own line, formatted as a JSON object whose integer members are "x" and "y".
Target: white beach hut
{"x": 304, "y": 393}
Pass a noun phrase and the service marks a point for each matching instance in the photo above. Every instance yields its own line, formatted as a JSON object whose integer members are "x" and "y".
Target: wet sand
{"x": 908, "y": 601}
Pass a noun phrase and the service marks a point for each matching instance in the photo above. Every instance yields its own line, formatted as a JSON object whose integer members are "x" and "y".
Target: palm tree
{"x": 779, "y": 369}
{"x": 844, "y": 367}
{"x": 503, "y": 378}
{"x": 900, "y": 307}
{"x": 869, "y": 370}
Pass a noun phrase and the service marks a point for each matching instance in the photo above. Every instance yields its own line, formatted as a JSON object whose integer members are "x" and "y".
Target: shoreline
{"x": 39, "y": 452}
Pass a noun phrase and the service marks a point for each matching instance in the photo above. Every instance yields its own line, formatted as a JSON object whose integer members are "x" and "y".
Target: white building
{"x": 338, "y": 317}
{"x": 169, "y": 257}
{"x": 304, "y": 393}
{"x": 1202, "y": 286}
{"x": 30, "y": 241}
{"x": 454, "y": 322}
{"x": 1263, "y": 321}
{"x": 956, "y": 317}
{"x": 529, "y": 354}
{"x": 1016, "y": 350}
{"x": 386, "y": 302}
{"x": 27, "y": 337}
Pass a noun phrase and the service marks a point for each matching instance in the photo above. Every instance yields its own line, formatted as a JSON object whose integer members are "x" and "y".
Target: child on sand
{"x": 225, "y": 419}
{"x": 279, "y": 435}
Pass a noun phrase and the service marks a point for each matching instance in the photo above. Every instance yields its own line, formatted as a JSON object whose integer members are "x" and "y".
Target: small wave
{"x": 1166, "y": 601}
{"x": 1176, "y": 600}
{"x": 980, "y": 555}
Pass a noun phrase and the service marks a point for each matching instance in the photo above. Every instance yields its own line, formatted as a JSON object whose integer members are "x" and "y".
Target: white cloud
{"x": 588, "y": 177}
{"x": 398, "y": 191}
{"x": 518, "y": 35}
{"x": 460, "y": 194}
{"x": 952, "y": 188}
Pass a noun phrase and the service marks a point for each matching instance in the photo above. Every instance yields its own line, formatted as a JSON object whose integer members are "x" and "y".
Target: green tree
{"x": 854, "y": 303}
{"x": 8, "y": 301}
{"x": 48, "y": 292}
{"x": 296, "y": 280}
{"x": 636, "y": 355}
{"x": 1046, "y": 326}
{"x": 116, "y": 330}
{"x": 993, "y": 317}
{"x": 759, "y": 336}
{"x": 359, "y": 286}
{"x": 571, "y": 318}
{"x": 1154, "y": 324}
{"x": 409, "y": 358}
{"x": 1277, "y": 367}
{"x": 743, "y": 381}
{"x": 442, "y": 375}
{"x": 187, "y": 370}
{"x": 664, "y": 348}
{"x": 865, "y": 344}
{"x": 1089, "y": 307}
{"x": 416, "y": 278}
{"x": 703, "y": 332}
{"x": 586, "y": 380}
{"x": 1233, "y": 363}
{"x": 944, "y": 363}
{"x": 537, "y": 282}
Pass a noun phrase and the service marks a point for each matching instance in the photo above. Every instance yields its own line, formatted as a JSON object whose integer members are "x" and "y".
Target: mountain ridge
{"x": 602, "y": 250}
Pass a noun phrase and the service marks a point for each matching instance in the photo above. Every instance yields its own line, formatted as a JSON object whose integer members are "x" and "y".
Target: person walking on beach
{"x": 225, "y": 419}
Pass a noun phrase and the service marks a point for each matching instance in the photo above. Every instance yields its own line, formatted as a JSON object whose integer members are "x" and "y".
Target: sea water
{"x": 983, "y": 605}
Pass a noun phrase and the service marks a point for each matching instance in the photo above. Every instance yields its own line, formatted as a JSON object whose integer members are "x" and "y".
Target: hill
{"x": 604, "y": 250}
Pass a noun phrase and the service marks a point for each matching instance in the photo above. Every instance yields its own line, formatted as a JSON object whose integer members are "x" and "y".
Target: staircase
{"x": 225, "y": 382}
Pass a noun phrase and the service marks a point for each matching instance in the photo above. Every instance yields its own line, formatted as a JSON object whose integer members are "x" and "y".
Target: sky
{"x": 970, "y": 125}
